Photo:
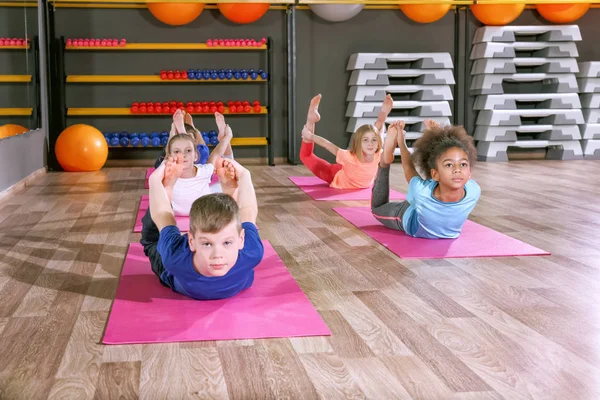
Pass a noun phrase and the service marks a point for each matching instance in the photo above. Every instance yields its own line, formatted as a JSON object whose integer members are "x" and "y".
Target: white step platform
{"x": 511, "y": 50}
{"x": 418, "y": 76}
{"x": 415, "y": 92}
{"x": 589, "y": 85}
{"x": 417, "y": 108}
{"x": 543, "y": 33}
{"x": 589, "y": 69}
{"x": 517, "y": 117}
{"x": 591, "y": 115}
{"x": 557, "y": 150}
{"x": 536, "y": 64}
{"x": 354, "y": 123}
{"x": 590, "y": 131}
{"x": 590, "y": 100}
{"x": 416, "y": 60}
{"x": 591, "y": 149}
{"x": 555, "y": 83}
{"x": 541, "y": 132}
{"x": 541, "y": 100}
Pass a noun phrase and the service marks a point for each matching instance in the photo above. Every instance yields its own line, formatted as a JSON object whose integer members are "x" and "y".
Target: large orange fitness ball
{"x": 562, "y": 13}
{"x": 176, "y": 14}
{"x": 81, "y": 148}
{"x": 497, "y": 14}
{"x": 243, "y": 13}
{"x": 425, "y": 13}
{"x": 11, "y": 130}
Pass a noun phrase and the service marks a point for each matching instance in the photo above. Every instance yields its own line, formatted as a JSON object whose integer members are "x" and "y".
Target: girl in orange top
{"x": 356, "y": 167}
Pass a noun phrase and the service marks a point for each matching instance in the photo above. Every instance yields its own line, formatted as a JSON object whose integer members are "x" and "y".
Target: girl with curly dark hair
{"x": 438, "y": 206}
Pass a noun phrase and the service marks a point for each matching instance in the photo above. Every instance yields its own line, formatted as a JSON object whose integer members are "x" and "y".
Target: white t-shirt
{"x": 187, "y": 190}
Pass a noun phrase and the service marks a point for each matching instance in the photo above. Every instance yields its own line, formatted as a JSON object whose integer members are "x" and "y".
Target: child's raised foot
{"x": 387, "y": 105}
{"x": 173, "y": 171}
{"x": 313, "y": 110}
{"x": 389, "y": 146}
{"x": 307, "y": 135}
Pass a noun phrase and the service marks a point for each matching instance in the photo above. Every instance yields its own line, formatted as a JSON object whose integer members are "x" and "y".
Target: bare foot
{"x": 173, "y": 171}
{"x": 228, "y": 178}
{"x": 220, "y": 120}
{"x": 188, "y": 119}
{"x": 307, "y": 135}
{"x": 431, "y": 124}
{"x": 227, "y": 134}
{"x": 313, "y": 110}
{"x": 387, "y": 105}
{"x": 389, "y": 146}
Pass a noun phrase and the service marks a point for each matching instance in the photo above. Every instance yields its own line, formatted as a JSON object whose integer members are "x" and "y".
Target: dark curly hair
{"x": 429, "y": 147}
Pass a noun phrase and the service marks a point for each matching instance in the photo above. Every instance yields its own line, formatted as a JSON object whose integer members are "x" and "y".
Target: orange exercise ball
{"x": 497, "y": 14}
{"x": 11, "y": 130}
{"x": 81, "y": 148}
{"x": 562, "y": 13}
{"x": 425, "y": 13}
{"x": 176, "y": 14}
{"x": 243, "y": 13}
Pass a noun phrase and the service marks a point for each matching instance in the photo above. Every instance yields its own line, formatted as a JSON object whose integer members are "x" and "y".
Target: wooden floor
{"x": 476, "y": 329}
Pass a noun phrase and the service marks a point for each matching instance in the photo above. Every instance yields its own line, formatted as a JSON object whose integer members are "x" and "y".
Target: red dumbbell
{"x": 205, "y": 109}
{"x": 134, "y": 109}
{"x": 190, "y": 109}
{"x": 177, "y": 75}
{"x": 158, "y": 109}
{"x": 143, "y": 109}
{"x": 198, "y": 109}
{"x": 232, "y": 109}
{"x": 257, "y": 109}
{"x": 172, "y": 109}
{"x": 150, "y": 108}
{"x": 221, "y": 109}
{"x": 247, "y": 109}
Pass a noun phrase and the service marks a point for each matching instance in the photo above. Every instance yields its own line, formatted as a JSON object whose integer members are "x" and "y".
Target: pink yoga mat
{"x": 183, "y": 223}
{"x": 149, "y": 172}
{"x": 320, "y": 190}
{"x": 474, "y": 241}
{"x": 144, "y": 311}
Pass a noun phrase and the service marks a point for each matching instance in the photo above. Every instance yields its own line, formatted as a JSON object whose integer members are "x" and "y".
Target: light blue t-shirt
{"x": 430, "y": 218}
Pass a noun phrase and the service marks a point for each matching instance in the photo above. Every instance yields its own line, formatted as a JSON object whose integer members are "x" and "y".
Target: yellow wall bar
{"x": 16, "y": 111}
{"x": 15, "y": 78}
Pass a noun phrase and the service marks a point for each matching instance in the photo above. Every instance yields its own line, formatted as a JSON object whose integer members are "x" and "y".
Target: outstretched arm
{"x": 161, "y": 183}
{"x": 407, "y": 162}
{"x": 234, "y": 177}
{"x": 308, "y": 136}
{"x": 386, "y": 108}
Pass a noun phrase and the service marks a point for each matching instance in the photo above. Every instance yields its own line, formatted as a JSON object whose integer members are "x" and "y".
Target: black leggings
{"x": 150, "y": 235}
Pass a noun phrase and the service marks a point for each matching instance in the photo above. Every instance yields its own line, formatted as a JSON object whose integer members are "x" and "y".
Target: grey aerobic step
{"x": 542, "y": 33}
{"x": 354, "y": 123}
{"x": 416, "y": 92}
{"x": 590, "y": 131}
{"x": 416, "y": 60}
{"x": 537, "y": 49}
{"x": 511, "y": 133}
{"x": 589, "y": 85}
{"x": 591, "y": 149}
{"x": 554, "y": 83}
{"x": 589, "y": 69}
{"x": 417, "y": 108}
{"x": 590, "y": 100}
{"x": 541, "y": 100}
{"x": 517, "y": 117}
{"x": 557, "y": 150}
{"x": 591, "y": 115}
{"x": 418, "y": 76}
{"x": 536, "y": 64}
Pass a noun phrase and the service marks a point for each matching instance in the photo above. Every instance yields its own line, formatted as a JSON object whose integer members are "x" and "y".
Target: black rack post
{"x": 270, "y": 102}
{"x": 291, "y": 82}
{"x": 35, "y": 76}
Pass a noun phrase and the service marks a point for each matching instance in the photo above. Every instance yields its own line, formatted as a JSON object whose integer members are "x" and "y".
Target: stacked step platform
{"x": 525, "y": 81}
{"x": 589, "y": 93}
{"x": 419, "y": 83}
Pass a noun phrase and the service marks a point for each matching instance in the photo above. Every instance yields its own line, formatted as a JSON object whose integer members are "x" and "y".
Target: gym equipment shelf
{"x": 167, "y": 46}
{"x": 246, "y": 141}
{"x": 127, "y": 111}
{"x": 15, "y": 47}
{"x": 15, "y": 78}
{"x": 148, "y": 79}
{"x": 16, "y": 111}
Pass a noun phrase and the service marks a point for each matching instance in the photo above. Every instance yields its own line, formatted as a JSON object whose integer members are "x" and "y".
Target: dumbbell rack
{"x": 419, "y": 83}
{"x": 61, "y": 48}
{"x": 26, "y": 111}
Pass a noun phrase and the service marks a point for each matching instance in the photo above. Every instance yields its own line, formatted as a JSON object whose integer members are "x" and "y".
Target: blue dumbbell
{"x": 143, "y": 135}
{"x": 154, "y": 135}
{"x": 214, "y": 76}
{"x": 254, "y": 76}
{"x": 124, "y": 142}
{"x": 221, "y": 75}
{"x": 214, "y": 140}
{"x": 242, "y": 71}
{"x": 133, "y": 135}
{"x": 123, "y": 134}
{"x": 107, "y": 140}
{"x": 250, "y": 71}
{"x": 135, "y": 141}
{"x": 145, "y": 141}
{"x": 156, "y": 142}
{"x": 114, "y": 141}
{"x": 229, "y": 75}
{"x": 264, "y": 75}
{"x": 164, "y": 134}
{"x": 244, "y": 75}
{"x": 206, "y": 75}
{"x": 191, "y": 75}
{"x": 213, "y": 133}
{"x": 237, "y": 75}
{"x": 164, "y": 140}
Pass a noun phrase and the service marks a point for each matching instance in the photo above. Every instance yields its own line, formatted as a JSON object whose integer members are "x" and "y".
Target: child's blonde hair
{"x": 356, "y": 140}
{"x": 213, "y": 212}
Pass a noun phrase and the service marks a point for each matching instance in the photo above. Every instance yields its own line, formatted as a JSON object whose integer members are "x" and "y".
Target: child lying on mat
{"x": 357, "y": 166}
{"x": 216, "y": 259}
{"x": 183, "y": 123}
{"x": 195, "y": 179}
{"x": 438, "y": 206}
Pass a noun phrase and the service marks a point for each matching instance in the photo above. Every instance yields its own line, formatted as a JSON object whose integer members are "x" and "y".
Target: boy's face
{"x": 453, "y": 169}
{"x": 216, "y": 253}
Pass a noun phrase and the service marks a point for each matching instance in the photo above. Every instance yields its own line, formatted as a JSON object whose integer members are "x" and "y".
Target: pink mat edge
{"x": 394, "y": 192}
{"x": 112, "y": 342}
{"x": 541, "y": 252}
